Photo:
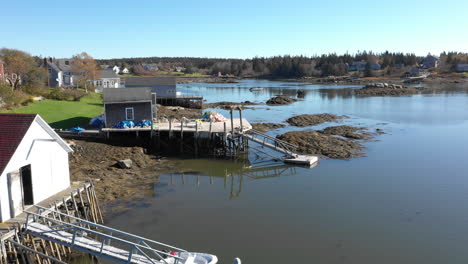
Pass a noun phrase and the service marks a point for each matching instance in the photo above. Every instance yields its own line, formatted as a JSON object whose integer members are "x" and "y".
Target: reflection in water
{"x": 233, "y": 178}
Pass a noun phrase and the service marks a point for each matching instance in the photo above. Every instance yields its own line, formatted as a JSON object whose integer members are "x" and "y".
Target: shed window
{"x": 129, "y": 113}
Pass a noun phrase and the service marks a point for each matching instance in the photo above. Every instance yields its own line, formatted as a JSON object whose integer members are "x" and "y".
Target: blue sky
{"x": 241, "y": 29}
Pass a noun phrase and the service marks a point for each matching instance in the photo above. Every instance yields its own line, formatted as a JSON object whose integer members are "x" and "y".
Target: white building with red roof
{"x": 33, "y": 163}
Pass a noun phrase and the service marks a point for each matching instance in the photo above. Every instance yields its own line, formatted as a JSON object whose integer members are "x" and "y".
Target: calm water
{"x": 405, "y": 202}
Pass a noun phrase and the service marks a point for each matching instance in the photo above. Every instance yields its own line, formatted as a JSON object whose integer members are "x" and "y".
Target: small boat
{"x": 194, "y": 258}
{"x": 302, "y": 160}
{"x": 256, "y": 89}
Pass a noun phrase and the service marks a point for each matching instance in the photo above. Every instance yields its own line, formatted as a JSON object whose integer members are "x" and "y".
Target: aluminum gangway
{"x": 103, "y": 241}
{"x": 288, "y": 149}
{"x": 270, "y": 142}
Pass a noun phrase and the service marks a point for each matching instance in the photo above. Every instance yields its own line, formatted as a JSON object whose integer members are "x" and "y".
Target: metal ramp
{"x": 270, "y": 142}
{"x": 96, "y": 239}
{"x": 281, "y": 146}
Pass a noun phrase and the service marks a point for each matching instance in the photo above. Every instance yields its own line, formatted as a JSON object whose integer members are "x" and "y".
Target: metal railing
{"x": 104, "y": 235}
{"x": 277, "y": 144}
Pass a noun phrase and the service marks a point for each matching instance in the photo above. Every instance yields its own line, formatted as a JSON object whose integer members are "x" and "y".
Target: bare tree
{"x": 85, "y": 69}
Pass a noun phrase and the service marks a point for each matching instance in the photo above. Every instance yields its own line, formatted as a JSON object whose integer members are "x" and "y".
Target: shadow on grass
{"x": 71, "y": 122}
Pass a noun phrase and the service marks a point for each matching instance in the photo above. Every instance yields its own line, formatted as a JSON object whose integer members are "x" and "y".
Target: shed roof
{"x": 149, "y": 81}
{"x": 13, "y": 127}
{"x": 108, "y": 74}
{"x": 116, "y": 95}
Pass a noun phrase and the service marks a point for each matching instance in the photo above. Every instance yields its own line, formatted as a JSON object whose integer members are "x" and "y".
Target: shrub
{"x": 9, "y": 97}
{"x": 66, "y": 94}
{"x": 35, "y": 90}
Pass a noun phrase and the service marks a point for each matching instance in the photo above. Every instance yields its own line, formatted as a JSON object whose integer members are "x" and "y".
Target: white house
{"x": 116, "y": 69}
{"x": 125, "y": 71}
{"x": 33, "y": 163}
{"x": 60, "y": 72}
{"x": 107, "y": 79}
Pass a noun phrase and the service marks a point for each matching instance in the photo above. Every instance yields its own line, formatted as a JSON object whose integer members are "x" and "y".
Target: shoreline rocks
{"x": 281, "y": 100}
{"x": 264, "y": 127}
{"x": 312, "y": 119}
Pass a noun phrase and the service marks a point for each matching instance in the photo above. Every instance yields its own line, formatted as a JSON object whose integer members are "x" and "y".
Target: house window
{"x": 129, "y": 113}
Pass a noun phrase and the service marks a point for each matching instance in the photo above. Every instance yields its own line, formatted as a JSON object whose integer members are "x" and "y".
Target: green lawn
{"x": 65, "y": 114}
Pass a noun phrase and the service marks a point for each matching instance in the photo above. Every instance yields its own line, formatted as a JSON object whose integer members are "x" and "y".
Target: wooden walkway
{"x": 191, "y": 127}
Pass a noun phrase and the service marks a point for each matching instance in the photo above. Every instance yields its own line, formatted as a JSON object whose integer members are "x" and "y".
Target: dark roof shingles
{"x": 13, "y": 127}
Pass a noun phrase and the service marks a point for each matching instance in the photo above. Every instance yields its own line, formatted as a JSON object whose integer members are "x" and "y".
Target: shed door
{"x": 15, "y": 193}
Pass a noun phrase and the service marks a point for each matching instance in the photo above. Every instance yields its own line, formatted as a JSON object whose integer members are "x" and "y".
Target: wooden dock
{"x": 190, "y": 127}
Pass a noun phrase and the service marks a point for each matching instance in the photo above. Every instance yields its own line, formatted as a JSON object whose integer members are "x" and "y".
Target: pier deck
{"x": 216, "y": 127}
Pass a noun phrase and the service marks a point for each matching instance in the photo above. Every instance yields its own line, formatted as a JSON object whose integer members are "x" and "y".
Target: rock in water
{"x": 125, "y": 164}
{"x": 281, "y": 100}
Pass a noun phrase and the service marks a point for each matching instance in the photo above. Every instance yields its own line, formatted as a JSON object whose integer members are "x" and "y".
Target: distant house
{"x": 60, "y": 72}
{"x": 150, "y": 67}
{"x": 33, "y": 163}
{"x": 415, "y": 72}
{"x": 125, "y": 71}
{"x": 375, "y": 66}
{"x": 164, "y": 87}
{"x": 357, "y": 66}
{"x": 462, "y": 67}
{"x": 179, "y": 69}
{"x": 129, "y": 104}
{"x": 107, "y": 79}
{"x": 116, "y": 69}
{"x": 430, "y": 62}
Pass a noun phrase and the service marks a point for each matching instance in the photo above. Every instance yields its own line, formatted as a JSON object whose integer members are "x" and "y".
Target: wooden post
{"x": 181, "y": 129}
{"x": 170, "y": 127}
{"x": 97, "y": 203}
{"x": 232, "y": 123}
{"x": 240, "y": 116}
{"x": 85, "y": 211}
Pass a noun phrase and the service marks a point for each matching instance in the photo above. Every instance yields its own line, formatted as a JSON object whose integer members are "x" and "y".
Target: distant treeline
{"x": 290, "y": 66}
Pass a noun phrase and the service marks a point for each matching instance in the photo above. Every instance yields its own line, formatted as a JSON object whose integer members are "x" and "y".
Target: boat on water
{"x": 308, "y": 160}
{"x": 193, "y": 258}
{"x": 256, "y": 89}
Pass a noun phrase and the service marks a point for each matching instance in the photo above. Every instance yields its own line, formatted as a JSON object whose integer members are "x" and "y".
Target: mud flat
{"x": 312, "y": 120}
{"x": 314, "y": 142}
{"x": 388, "y": 91}
{"x": 264, "y": 127}
{"x": 281, "y": 100}
{"x": 178, "y": 112}
{"x": 347, "y": 132}
{"x": 99, "y": 162}
{"x": 336, "y": 142}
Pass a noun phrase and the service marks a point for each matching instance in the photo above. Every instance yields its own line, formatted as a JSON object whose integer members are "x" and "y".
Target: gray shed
{"x": 164, "y": 87}
{"x": 130, "y": 104}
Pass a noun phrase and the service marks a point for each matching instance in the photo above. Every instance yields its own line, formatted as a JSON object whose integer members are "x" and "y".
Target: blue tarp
{"x": 76, "y": 129}
{"x": 144, "y": 123}
{"x": 97, "y": 121}
{"x": 124, "y": 124}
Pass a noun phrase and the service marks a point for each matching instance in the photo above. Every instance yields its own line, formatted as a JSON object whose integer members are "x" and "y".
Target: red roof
{"x": 13, "y": 127}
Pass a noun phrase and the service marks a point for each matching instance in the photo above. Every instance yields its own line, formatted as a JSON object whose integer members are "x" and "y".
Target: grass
{"x": 65, "y": 114}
